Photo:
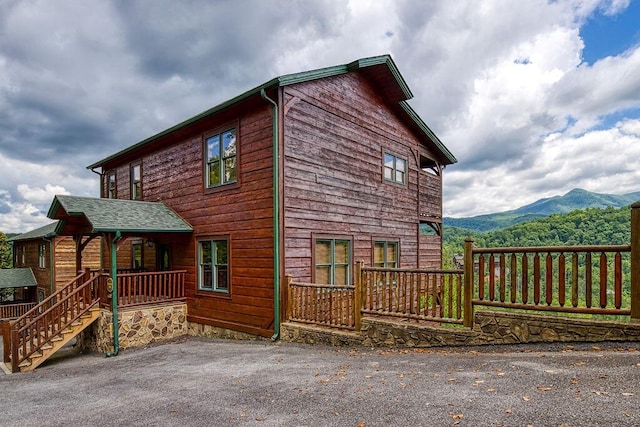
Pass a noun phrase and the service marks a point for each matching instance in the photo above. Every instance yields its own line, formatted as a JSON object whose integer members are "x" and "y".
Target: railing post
{"x": 467, "y": 317}
{"x": 635, "y": 261}
{"x": 289, "y": 279}
{"x": 357, "y": 298}
{"x": 6, "y": 340}
{"x": 13, "y": 343}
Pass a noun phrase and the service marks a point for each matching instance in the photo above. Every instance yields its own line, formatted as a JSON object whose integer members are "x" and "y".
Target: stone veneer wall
{"x": 138, "y": 326}
{"x": 490, "y": 327}
{"x": 208, "y": 331}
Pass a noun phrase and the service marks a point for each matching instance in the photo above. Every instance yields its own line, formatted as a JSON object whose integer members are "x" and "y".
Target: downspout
{"x": 276, "y": 220}
{"x": 114, "y": 297}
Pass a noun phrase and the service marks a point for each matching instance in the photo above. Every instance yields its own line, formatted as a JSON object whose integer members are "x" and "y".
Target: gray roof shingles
{"x": 16, "y": 278}
{"x": 111, "y": 215}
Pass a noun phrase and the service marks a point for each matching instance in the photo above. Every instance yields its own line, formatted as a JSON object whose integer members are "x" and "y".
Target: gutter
{"x": 114, "y": 297}
{"x": 276, "y": 220}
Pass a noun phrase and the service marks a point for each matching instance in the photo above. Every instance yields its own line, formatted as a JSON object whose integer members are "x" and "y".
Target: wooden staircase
{"x": 42, "y": 331}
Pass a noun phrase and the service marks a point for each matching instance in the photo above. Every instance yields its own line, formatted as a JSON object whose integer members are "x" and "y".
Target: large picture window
{"x": 221, "y": 159}
{"x": 385, "y": 254}
{"x": 333, "y": 261}
{"x": 213, "y": 265}
{"x": 395, "y": 169}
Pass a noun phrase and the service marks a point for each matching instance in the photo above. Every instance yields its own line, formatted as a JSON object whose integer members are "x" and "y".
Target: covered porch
{"x": 138, "y": 240}
{"x": 18, "y": 292}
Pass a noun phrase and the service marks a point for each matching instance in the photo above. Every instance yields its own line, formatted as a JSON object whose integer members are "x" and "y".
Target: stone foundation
{"x": 208, "y": 331}
{"x": 138, "y": 327}
{"x": 490, "y": 327}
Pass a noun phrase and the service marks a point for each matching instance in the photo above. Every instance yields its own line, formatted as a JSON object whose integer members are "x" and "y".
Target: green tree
{"x": 5, "y": 252}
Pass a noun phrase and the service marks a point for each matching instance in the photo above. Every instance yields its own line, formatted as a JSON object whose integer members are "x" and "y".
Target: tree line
{"x": 593, "y": 226}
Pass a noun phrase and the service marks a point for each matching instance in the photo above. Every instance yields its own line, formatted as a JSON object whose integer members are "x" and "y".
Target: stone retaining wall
{"x": 490, "y": 327}
{"x": 138, "y": 326}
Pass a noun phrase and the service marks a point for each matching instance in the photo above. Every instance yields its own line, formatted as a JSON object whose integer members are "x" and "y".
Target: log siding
{"x": 336, "y": 133}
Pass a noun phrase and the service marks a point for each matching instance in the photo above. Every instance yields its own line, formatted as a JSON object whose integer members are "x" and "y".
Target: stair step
{"x": 25, "y": 363}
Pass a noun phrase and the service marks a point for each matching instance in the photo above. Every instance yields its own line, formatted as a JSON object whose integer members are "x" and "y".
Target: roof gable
{"x": 380, "y": 69}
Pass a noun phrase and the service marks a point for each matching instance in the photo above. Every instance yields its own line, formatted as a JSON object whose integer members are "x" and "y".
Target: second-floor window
{"x": 221, "y": 159}
{"x": 395, "y": 169}
{"x": 42, "y": 256}
{"x": 111, "y": 185}
{"x": 136, "y": 182}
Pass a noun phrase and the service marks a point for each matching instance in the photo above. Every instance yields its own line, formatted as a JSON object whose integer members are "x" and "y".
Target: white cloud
{"x": 40, "y": 195}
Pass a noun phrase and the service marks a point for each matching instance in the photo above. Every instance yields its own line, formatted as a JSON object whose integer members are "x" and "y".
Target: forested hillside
{"x": 573, "y": 200}
{"x": 608, "y": 226}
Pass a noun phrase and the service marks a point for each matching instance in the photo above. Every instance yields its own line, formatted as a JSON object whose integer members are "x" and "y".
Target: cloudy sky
{"x": 533, "y": 97}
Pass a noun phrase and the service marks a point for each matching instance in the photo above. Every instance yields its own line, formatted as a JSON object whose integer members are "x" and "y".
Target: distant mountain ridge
{"x": 573, "y": 200}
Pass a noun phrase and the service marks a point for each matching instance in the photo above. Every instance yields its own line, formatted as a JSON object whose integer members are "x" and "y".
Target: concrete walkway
{"x": 194, "y": 382}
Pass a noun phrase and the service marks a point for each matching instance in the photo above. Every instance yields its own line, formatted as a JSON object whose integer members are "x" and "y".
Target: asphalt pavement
{"x": 199, "y": 382}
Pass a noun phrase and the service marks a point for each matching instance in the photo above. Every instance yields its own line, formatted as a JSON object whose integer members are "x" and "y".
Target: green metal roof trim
{"x": 16, "y": 278}
{"x": 126, "y": 216}
{"x": 423, "y": 126}
{"x": 286, "y": 80}
{"x": 47, "y": 231}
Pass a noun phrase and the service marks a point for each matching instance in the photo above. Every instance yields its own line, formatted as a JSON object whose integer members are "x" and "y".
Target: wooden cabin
{"x": 52, "y": 258}
{"x": 302, "y": 175}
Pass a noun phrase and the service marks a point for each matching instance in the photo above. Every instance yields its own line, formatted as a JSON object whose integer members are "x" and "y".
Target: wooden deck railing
{"x": 150, "y": 287}
{"x": 576, "y": 279}
{"x": 13, "y": 311}
{"x": 326, "y": 305}
{"x": 413, "y": 293}
{"x": 27, "y": 334}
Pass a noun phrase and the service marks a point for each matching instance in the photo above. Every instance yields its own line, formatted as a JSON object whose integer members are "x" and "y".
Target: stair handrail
{"x": 20, "y": 335}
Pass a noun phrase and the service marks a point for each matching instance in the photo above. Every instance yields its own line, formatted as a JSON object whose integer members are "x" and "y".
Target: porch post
{"x": 467, "y": 318}
{"x": 635, "y": 261}
{"x": 357, "y": 297}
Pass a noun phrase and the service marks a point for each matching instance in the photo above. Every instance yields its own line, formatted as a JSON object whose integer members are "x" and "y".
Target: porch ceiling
{"x": 92, "y": 215}
{"x": 16, "y": 278}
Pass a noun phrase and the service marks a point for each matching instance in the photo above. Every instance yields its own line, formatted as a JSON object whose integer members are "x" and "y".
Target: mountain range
{"x": 573, "y": 200}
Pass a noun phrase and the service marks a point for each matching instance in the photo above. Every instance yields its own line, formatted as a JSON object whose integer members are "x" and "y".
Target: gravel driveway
{"x": 197, "y": 382}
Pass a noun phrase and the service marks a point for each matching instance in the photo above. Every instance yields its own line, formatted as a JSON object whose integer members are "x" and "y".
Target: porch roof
{"x": 45, "y": 232}
{"x": 16, "y": 278}
{"x": 93, "y": 215}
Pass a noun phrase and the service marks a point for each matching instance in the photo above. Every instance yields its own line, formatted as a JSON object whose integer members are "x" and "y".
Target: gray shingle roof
{"x": 47, "y": 231}
{"x": 16, "y": 278}
{"x": 126, "y": 216}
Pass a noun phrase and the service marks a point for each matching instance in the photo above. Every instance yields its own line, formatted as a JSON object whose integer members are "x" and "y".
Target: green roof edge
{"x": 423, "y": 126}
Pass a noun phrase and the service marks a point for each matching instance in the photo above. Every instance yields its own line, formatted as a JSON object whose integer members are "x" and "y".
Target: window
{"x": 333, "y": 262}
{"x": 221, "y": 159}
{"x": 136, "y": 182}
{"x": 385, "y": 254}
{"x": 111, "y": 185}
{"x": 137, "y": 260}
{"x": 21, "y": 255}
{"x": 42, "y": 255}
{"x": 213, "y": 265}
{"x": 395, "y": 169}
